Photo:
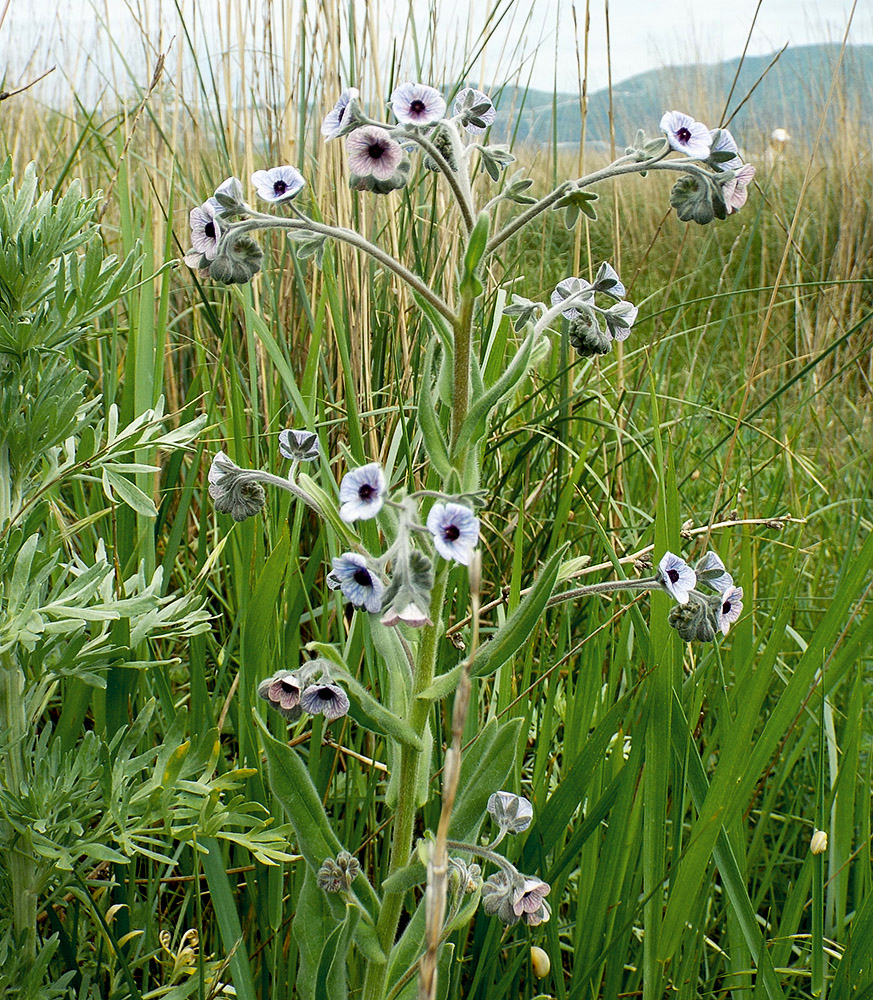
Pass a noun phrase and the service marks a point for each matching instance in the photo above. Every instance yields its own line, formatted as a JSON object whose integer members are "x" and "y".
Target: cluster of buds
{"x": 451, "y": 527}
{"x": 337, "y": 875}
{"x": 310, "y": 689}
{"x": 701, "y": 196}
{"x": 700, "y": 614}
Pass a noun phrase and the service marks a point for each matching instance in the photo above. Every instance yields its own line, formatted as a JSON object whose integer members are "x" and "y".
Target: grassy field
{"x": 738, "y": 412}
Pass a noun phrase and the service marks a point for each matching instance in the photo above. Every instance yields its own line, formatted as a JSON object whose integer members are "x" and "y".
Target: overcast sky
{"x": 644, "y": 34}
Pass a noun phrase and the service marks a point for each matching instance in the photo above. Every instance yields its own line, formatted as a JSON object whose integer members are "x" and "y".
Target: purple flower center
{"x": 367, "y": 492}
{"x": 726, "y": 608}
{"x": 683, "y": 135}
{"x": 287, "y": 688}
{"x": 417, "y": 107}
{"x": 375, "y": 150}
{"x": 451, "y": 532}
{"x": 673, "y": 575}
{"x": 324, "y": 694}
{"x": 339, "y": 115}
{"x": 209, "y": 229}
{"x": 363, "y": 578}
{"x": 279, "y": 188}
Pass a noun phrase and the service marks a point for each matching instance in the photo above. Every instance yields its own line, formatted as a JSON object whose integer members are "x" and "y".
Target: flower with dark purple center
{"x": 573, "y": 287}
{"x": 373, "y": 153}
{"x": 358, "y": 583}
{"x": 205, "y": 230}
{"x": 455, "y": 531}
{"x": 300, "y": 446}
{"x": 325, "y": 699}
{"x": 282, "y": 691}
{"x": 686, "y": 135}
{"x": 362, "y": 493}
{"x": 417, "y": 104}
{"x": 474, "y": 109}
{"x": 730, "y": 609}
{"x": 278, "y": 184}
{"x": 332, "y": 125}
{"x": 735, "y": 191}
{"x": 676, "y": 577}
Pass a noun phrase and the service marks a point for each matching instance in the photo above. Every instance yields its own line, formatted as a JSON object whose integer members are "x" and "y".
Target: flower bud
{"x": 338, "y": 875}
{"x": 540, "y": 962}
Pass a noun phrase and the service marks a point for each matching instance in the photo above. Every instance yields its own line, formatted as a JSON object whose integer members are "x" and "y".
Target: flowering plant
{"x": 399, "y": 572}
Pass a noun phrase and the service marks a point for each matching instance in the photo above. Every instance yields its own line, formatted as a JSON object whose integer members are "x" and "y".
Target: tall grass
{"x": 681, "y": 869}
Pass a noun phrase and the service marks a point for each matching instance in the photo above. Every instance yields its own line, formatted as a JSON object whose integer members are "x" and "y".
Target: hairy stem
{"x": 461, "y": 365}
{"x": 410, "y": 763}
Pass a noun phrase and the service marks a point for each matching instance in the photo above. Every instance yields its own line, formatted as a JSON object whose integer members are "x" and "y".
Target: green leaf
{"x": 510, "y": 637}
{"x": 372, "y": 715}
{"x": 330, "y": 980}
{"x": 131, "y": 494}
{"x": 482, "y": 774}
{"x": 473, "y": 426}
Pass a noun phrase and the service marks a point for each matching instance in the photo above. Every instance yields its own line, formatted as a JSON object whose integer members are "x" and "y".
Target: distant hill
{"x": 791, "y": 95}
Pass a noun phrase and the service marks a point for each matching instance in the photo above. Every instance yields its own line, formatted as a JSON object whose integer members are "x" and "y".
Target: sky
{"x": 542, "y": 41}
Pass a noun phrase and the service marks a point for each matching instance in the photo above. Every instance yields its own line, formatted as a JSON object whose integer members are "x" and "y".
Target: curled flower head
{"x": 238, "y": 262}
{"x": 300, "y": 446}
{"x": 373, "y": 153}
{"x": 686, "y": 135}
{"x": 724, "y": 152}
{"x": 358, "y": 582}
{"x": 730, "y": 608}
{"x": 417, "y": 104}
{"x": 572, "y": 287}
{"x": 710, "y": 571}
{"x": 455, "y": 531}
{"x": 362, "y": 493}
{"x": 469, "y": 875}
{"x": 511, "y": 813}
{"x": 325, "y": 699}
{"x": 694, "y": 621}
{"x": 735, "y": 190}
{"x": 698, "y": 199}
{"x": 234, "y": 490}
{"x": 332, "y": 125}
{"x": 587, "y": 336}
{"x": 338, "y": 875}
{"x": 282, "y": 691}
{"x": 497, "y": 895}
{"x": 676, "y": 577}
{"x": 205, "y": 230}
{"x": 278, "y": 184}
{"x": 474, "y": 109}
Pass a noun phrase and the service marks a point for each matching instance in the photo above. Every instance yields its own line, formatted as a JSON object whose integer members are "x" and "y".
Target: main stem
{"x": 22, "y": 875}
{"x": 463, "y": 327}
{"x": 410, "y": 763}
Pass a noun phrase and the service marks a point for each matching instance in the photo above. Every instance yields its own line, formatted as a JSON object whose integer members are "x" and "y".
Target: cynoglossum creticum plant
{"x": 400, "y": 590}
{"x": 68, "y": 611}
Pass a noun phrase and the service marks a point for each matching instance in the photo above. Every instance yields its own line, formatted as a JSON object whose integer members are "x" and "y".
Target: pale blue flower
{"x": 455, "y": 531}
{"x": 510, "y": 812}
{"x": 711, "y": 572}
{"x": 731, "y": 608}
{"x": 325, "y": 699}
{"x": 474, "y": 109}
{"x": 301, "y": 446}
{"x": 686, "y": 135}
{"x": 676, "y": 577}
{"x": 607, "y": 281}
{"x": 359, "y": 584}
{"x": 735, "y": 191}
{"x": 278, "y": 184}
{"x": 373, "y": 153}
{"x": 332, "y": 125}
{"x": 417, "y": 104}
{"x": 205, "y": 230}
{"x": 723, "y": 143}
{"x": 282, "y": 691}
{"x": 573, "y": 287}
{"x": 362, "y": 493}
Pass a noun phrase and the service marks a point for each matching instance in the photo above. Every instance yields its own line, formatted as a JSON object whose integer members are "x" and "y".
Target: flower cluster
{"x": 700, "y": 615}
{"x": 337, "y": 875}
{"x": 701, "y": 196}
{"x": 592, "y": 327}
{"x": 309, "y": 689}
{"x": 453, "y": 529}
